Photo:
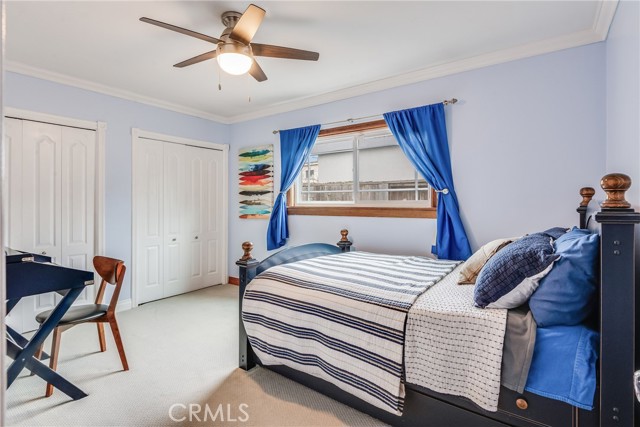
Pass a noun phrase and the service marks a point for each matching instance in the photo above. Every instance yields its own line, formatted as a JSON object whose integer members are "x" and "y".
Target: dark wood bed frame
{"x": 615, "y": 400}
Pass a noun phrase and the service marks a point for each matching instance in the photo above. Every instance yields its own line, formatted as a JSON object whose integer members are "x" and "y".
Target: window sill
{"x": 385, "y": 212}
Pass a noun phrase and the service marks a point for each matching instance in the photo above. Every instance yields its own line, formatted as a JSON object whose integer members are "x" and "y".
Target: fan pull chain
{"x": 219, "y": 76}
{"x": 248, "y": 80}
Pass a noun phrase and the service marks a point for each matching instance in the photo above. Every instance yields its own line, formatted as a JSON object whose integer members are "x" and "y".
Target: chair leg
{"x": 103, "y": 342}
{"x": 53, "y": 363}
{"x": 118, "y": 340}
{"x": 37, "y": 355}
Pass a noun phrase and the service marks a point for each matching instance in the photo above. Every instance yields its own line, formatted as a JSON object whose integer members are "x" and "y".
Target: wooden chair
{"x": 112, "y": 271}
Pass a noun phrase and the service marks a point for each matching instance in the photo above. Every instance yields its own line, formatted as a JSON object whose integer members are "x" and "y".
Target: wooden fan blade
{"x": 196, "y": 59}
{"x": 181, "y": 30}
{"x": 256, "y": 72}
{"x": 248, "y": 24}
{"x": 283, "y": 52}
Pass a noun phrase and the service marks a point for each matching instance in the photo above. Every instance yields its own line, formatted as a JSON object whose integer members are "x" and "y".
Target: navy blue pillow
{"x": 566, "y": 295}
{"x": 525, "y": 258}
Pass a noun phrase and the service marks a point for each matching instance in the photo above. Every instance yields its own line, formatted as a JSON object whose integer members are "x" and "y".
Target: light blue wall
{"x": 623, "y": 95}
{"x": 525, "y": 136}
{"x": 623, "y": 102}
{"x": 121, "y": 116}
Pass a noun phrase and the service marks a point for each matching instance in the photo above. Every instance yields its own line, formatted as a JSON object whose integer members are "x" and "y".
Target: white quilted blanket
{"x": 454, "y": 347}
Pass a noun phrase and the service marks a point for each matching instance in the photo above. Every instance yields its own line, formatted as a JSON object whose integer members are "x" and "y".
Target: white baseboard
{"x": 123, "y": 305}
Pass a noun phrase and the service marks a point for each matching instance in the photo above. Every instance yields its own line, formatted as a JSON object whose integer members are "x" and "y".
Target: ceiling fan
{"x": 234, "y": 52}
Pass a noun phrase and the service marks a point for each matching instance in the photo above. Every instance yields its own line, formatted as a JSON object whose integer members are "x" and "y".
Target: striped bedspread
{"x": 340, "y": 318}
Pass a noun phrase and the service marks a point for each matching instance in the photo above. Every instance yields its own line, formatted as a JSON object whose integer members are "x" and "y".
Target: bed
{"x": 427, "y": 400}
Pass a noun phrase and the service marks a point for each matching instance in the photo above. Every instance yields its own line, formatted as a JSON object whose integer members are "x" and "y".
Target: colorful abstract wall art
{"x": 256, "y": 181}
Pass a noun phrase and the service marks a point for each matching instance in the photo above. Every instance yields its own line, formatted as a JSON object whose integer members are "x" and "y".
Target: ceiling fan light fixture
{"x": 234, "y": 58}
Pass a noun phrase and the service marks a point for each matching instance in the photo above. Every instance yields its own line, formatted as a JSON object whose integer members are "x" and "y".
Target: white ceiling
{"x": 364, "y": 46}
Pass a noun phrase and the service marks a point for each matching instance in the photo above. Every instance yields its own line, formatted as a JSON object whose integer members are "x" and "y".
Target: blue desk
{"x": 31, "y": 274}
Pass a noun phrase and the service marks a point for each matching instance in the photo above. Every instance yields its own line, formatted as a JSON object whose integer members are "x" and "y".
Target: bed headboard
{"x": 587, "y": 194}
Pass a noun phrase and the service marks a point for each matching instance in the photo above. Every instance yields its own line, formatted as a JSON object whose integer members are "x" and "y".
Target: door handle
{"x": 173, "y": 240}
{"x": 196, "y": 237}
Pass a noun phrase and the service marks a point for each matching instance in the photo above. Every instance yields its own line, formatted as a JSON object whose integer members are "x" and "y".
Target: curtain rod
{"x": 445, "y": 102}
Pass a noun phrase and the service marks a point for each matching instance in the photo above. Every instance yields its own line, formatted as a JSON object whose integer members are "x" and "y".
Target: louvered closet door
{"x": 149, "y": 202}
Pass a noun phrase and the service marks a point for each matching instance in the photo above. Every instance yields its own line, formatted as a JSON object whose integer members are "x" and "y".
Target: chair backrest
{"x": 112, "y": 271}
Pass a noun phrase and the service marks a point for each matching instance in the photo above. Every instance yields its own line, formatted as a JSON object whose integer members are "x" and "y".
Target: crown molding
{"x": 28, "y": 70}
{"x": 604, "y": 18}
{"x": 493, "y": 58}
{"x": 597, "y": 33}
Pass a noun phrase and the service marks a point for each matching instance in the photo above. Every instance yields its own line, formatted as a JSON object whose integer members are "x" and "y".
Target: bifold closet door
{"x": 78, "y": 201}
{"x": 51, "y": 198}
{"x": 149, "y": 201}
{"x": 179, "y": 208}
{"x": 204, "y": 211}
{"x": 174, "y": 236}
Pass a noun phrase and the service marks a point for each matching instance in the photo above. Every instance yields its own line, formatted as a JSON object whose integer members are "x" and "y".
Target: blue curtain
{"x": 295, "y": 146}
{"x": 422, "y": 134}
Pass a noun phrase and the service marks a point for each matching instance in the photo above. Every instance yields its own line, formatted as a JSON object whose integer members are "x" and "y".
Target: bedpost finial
{"x": 247, "y": 247}
{"x": 344, "y": 244}
{"x": 587, "y": 194}
{"x": 615, "y": 185}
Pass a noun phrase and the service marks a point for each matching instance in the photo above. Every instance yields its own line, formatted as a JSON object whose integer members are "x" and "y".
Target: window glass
{"x": 328, "y": 172}
{"x": 368, "y": 169}
{"x": 384, "y": 172}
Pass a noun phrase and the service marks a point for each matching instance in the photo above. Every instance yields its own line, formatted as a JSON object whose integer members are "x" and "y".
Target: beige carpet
{"x": 183, "y": 356}
{"x": 264, "y": 398}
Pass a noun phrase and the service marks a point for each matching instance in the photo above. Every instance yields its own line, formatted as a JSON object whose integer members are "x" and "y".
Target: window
{"x": 362, "y": 173}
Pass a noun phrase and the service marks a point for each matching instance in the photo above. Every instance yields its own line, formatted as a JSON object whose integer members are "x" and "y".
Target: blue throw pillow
{"x": 509, "y": 278}
{"x": 566, "y": 295}
{"x": 556, "y": 232}
{"x": 574, "y": 234}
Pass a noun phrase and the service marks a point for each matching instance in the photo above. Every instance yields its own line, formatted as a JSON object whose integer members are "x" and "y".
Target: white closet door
{"x": 51, "y": 198}
{"x": 193, "y": 224}
{"x": 213, "y": 213}
{"x": 78, "y": 195}
{"x": 175, "y": 238}
{"x": 13, "y": 231}
{"x": 13, "y": 185}
{"x": 179, "y": 211}
{"x": 150, "y": 216}
{"x": 41, "y": 210}
{"x": 41, "y": 189}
